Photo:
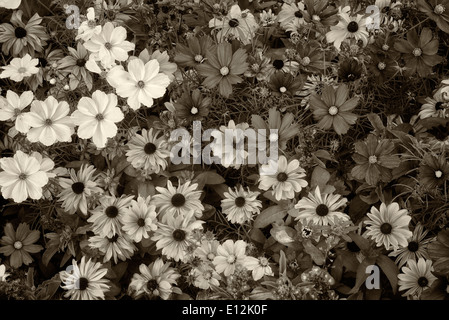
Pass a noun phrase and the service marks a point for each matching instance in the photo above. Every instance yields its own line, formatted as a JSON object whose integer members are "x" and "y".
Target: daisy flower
{"x": 239, "y": 206}
{"x": 96, "y": 117}
{"x": 155, "y": 280}
{"x": 89, "y": 27}
{"x": 107, "y": 218}
{"x": 176, "y": 235}
{"x": 19, "y": 38}
{"x": 22, "y": 177}
{"x": 49, "y": 122}
{"x": 434, "y": 107}
{"x": 85, "y": 281}
{"x": 332, "y": 109}
{"x": 291, "y": 13}
{"x": 286, "y": 181}
{"x": 388, "y": 226}
{"x": 140, "y": 219}
{"x": 179, "y": 201}
{"x": 20, "y": 68}
{"x": 237, "y": 24}
{"x": 142, "y": 83}
{"x": 223, "y": 68}
{"x": 348, "y": 27}
{"x": 321, "y": 208}
{"x": 259, "y": 267}
{"x": 77, "y": 190}
{"x": 75, "y": 65}
{"x": 19, "y": 244}
{"x": 416, "y": 248}
{"x": 11, "y": 108}
{"x": 416, "y": 277}
{"x": 119, "y": 246}
{"x": 148, "y": 151}
{"x": 109, "y": 45}
{"x": 229, "y": 255}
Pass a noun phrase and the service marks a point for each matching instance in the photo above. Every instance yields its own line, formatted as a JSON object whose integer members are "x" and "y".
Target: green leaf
{"x": 376, "y": 122}
{"x": 257, "y": 236}
{"x": 47, "y": 289}
{"x": 315, "y": 253}
{"x": 390, "y": 269}
{"x": 220, "y": 189}
{"x": 282, "y": 264}
{"x": 320, "y": 177}
{"x": 282, "y": 234}
{"x": 208, "y": 178}
{"x": 269, "y": 216}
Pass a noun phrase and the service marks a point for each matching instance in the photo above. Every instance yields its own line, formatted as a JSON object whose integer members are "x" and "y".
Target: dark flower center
{"x": 352, "y": 246}
{"x": 422, "y": 281}
{"x": 111, "y": 211}
{"x": 240, "y": 201}
{"x": 178, "y": 200}
{"x": 233, "y": 23}
{"x": 179, "y": 235}
{"x": 438, "y": 105}
{"x": 113, "y": 238}
{"x": 351, "y": 77}
{"x": 83, "y": 283}
{"x": 353, "y": 26}
{"x": 141, "y": 222}
{"x": 150, "y": 148}
{"x": 386, "y": 228}
{"x": 413, "y": 246}
{"x": 80, "y": 63}
{"x": 298, "y": 14}
{"x": 20, "y": 32}
{"x": 322, "y": 210}
{"x": 282, "y": 176}
{"x": 440, "y": 132}
{"x": 42, "y": 62}
{"x": 152, "y": 285}
{"x": 78, "y": 187}
{"x": 278, "y": 64}
{"x": 7, "y": 153}
{"x": 108, "y": 45}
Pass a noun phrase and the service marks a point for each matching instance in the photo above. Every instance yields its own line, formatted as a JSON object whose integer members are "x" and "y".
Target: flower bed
{"x": 206, "y": 149}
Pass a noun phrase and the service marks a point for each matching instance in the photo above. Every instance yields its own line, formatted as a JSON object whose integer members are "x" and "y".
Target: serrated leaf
{"x": 269, "y": 215}
{"x": 390, "y": 269}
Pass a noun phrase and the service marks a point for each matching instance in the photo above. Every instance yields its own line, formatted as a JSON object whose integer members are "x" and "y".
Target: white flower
{"x": 20, "y": 68}
{"x": 140, "y": 84}
{"x": 49, "y": 122}
{"x": 89, "y": 27}
{"x": 12, "y": 108}
{"x": 10, "y": 4}
{"x": 96, "y": 117}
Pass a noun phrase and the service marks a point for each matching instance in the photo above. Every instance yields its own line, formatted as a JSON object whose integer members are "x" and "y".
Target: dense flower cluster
{"x": 351, "y": 107}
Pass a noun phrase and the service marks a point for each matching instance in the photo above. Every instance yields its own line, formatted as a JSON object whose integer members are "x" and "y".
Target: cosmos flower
{"x": 12, "y": 108}
{"x": 229, "y": 255}
{"x": 194, "y": 52}
{"x": 142, "y": 83}
{"x": 109, "y": 45}
{"x": 332, "y": 109}
{"x": 20, "y": 68}
{"x": 19, "y": 244}
{"x": 22, "y": 177}
{"x": 437, "y": 10}
{"x": 96, "y": 117}
{"x": 223, "y": 68}
{"x": 49, "y": 121}
{"x": 89, "y": 27}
